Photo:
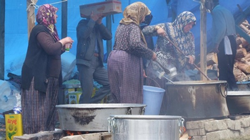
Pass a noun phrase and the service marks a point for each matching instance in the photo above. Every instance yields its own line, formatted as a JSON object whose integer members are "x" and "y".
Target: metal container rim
{"x": 238, "y": 93}
{"x": 113, "y": 105}
{"x": 188, "y": 83}
{"x": 162, "y": 117}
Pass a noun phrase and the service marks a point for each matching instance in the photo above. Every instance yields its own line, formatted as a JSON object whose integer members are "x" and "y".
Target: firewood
{"x": 242, "y": 52}
{"x": 244, "y": 42}
{"x": 244, "y": 28}
{"x": 247, "y": 48}
{"x": 239, "y": 75}
{"x": 238, "y": 41}
{"x": 247, "y": 56}
{"x": 212, "y": 59}
{"x": 248, "y": 77}
{"x": 239, "y": 46}
{"x": 243, "y": 67}
{"x": 245, "y": 23}
{"x": 244, "y": 60}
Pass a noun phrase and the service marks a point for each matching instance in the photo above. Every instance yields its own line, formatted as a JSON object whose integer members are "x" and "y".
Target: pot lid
{"x": 117, "y": 105}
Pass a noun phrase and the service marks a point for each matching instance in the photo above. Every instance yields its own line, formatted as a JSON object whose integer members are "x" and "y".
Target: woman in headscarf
{"x": 41, "y": 73}
{"x": 125, "y": 69}
{"x": 178, "y": 32}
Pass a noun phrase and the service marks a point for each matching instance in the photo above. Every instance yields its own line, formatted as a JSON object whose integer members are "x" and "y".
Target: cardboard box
{"x": 74, "y": 97}
{"x": 14, "y": 126}
{"x": 107, "y": 8}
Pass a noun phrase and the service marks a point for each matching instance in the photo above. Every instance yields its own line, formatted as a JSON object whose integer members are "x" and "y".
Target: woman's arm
{"x": 152, "y": 30}
{"x": 50, "y": 46}
{"x": 136, "y": 45}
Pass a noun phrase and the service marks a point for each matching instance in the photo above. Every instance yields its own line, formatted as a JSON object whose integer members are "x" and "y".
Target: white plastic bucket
{"x": 152, "y": 97}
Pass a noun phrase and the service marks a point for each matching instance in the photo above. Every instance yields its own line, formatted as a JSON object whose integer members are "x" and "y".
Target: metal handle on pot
{"x": 129, "y": 111}
{"x": 220, "y": 90}
{"x": 111, "y": 123}
{"x": 143, "y": 111}
{"x": 181, "y": 124}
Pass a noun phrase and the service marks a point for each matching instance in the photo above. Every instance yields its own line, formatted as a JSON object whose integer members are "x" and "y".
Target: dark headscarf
{"x": 46, "y": 17}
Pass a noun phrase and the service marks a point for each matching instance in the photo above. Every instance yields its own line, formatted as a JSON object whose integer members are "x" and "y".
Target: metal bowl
{"x": 93, "y": 117}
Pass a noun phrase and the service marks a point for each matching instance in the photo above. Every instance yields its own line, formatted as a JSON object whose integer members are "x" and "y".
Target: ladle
{"x": 185, "y": 56}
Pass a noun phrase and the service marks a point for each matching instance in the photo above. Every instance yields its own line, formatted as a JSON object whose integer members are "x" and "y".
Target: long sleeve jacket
{"x": 88, "y": 32}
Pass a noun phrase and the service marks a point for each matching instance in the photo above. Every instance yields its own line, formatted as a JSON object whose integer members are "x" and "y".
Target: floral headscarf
{"x": 134, "y": 13}
{"x": 185, "y": 41}
{"x": 46, "y": 16}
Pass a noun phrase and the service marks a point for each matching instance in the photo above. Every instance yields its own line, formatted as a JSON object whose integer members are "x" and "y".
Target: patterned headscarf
{"x": 46, "y": 16}
{"x": 134, "y": 13}
{"x": 185, "y": 41}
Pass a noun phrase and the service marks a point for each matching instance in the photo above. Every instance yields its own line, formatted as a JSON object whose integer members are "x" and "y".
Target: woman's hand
{"x": 191, "y": 59}
{"x": 66, "y": 40}
{"x": 144, "y": 74}
{"x": 160, "y": 31}
{"x": 154, "y": 56}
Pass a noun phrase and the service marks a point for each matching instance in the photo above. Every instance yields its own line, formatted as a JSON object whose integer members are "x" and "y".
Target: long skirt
{"x": 125, "y": 74}
{"x": 38, "y": 108}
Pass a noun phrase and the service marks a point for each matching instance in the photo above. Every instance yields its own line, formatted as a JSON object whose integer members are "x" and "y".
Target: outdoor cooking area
{"x": 125, "y": 70}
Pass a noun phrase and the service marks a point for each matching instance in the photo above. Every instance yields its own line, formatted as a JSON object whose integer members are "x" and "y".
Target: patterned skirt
{"x": 38, "y": 108}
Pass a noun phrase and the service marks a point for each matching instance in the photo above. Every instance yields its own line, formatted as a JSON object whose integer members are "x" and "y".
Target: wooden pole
{"x": 2, "y": 31}
{"x": 203, "y": 41}
{"x": 64, "y": 18}
{"x": 109, "y": 26}
{"x": 30, "y": 15}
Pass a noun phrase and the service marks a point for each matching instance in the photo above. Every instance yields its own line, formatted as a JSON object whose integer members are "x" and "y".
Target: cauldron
{"x": 196, "y": 99}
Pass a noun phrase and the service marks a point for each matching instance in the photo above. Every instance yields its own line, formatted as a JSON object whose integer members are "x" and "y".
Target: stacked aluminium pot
{"x": 124, "y": 121}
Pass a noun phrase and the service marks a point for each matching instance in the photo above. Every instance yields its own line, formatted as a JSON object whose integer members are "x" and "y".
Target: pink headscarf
{"x": 46, "y": 17}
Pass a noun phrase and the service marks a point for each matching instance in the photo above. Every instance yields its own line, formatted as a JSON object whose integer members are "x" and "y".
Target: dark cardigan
{"x": 36, "y": 63}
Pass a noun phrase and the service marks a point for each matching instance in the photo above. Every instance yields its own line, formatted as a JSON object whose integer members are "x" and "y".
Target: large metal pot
{"x": 93, "y": 117}
{"x": 238, "y": 102}
{"x": 145, "y": 127}
{"x": 196, "y": 99}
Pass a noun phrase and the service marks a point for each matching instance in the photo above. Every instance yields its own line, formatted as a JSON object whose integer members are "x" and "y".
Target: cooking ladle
{"x": 185, "y": 56}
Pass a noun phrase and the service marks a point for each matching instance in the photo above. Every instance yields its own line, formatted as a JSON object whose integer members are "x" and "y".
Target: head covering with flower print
{"x": 135, "y": 13}
{"x": 185, "y": 41}
{"x": 46, "y": 17}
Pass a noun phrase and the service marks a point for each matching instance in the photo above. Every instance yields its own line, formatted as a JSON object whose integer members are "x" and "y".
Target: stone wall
{"x": 223, "y": 129}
